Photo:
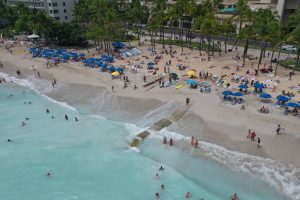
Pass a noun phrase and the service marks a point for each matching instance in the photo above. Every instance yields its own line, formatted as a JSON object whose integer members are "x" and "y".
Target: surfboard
{"x": 179, "y": 86}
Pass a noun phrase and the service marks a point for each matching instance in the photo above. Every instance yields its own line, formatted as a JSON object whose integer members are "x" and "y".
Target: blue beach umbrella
{"x": 237, "y": 94}
{"x": 227, "y": 92}
{"x": 192, "y": 82}
{"x": 242, "y": 86}
{"x": 258, "y": 85}
{"x": 111, "y": 69}
{"x": 292, "y": 104}
{"x": 119, "y": 69}
{"x": 265, "y": 96}
{"x": 282, "y": 98}
{"x": 151, "y": 63}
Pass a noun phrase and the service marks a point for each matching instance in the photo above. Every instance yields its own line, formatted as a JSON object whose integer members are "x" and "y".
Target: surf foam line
{"x": 34, "y": 87}
{"x": 284, "y": 177}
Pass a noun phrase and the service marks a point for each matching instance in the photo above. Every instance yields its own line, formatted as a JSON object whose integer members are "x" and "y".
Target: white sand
{"x": 209, "y": 118}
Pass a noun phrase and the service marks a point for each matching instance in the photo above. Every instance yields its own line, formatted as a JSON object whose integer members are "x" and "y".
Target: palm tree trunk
{"x": 181, "y": 34}
{"x": 225, "y": 43}
{"x": 245, "y": 51}
{"x": 297, "y": 58}
{"x": 261, "y": 54}
{"x": 171, "y": 36}
{"x": 163, "y": 36}
{"x": 278, "y": 57}
{"x": 273, "y": 50}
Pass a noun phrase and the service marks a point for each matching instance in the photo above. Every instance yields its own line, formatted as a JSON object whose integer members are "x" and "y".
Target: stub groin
{"x": 160, "y": 124}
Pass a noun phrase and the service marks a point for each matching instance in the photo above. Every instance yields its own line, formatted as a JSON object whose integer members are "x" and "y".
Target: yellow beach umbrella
{"x": 115, "y": 74}
{"x": 191, "y": 73}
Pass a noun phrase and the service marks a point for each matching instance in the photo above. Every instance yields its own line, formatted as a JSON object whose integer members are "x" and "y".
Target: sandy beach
{"x": 208, "y": 118}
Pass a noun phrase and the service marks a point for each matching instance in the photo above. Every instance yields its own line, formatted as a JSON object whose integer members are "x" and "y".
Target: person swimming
{"x": 66, "y": 117}
{"x": 234, "y": 197}
{"x": 47, "y": 110}
{"x": 76, "y": 120}
{"x": 8, "y": 140}
{"x": 52, "y": 117}
{"x": 157, "y": 195}
{"x": 188, "y": 195}
{"x": 48, "y": 174}
{"x": 162, "y": 186}
{"x": 23, "y": 124}
{"x": 161, "y": 168}
{"x": 27, "y": 118}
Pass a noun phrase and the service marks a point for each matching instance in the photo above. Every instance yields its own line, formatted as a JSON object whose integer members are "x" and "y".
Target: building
{"x": 285, "y": 8}
{"x": 60, "y": 10}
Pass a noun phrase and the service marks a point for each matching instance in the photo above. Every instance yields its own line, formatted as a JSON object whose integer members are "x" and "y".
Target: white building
{"x": 60, "y": 10}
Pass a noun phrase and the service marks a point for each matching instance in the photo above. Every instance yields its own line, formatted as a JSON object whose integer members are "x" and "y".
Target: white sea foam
{"x": 37, "y": 86}
{"x": 284, "y": 177}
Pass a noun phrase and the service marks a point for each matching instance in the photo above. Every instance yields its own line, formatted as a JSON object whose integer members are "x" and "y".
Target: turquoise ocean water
{"x": 90, "y": 159}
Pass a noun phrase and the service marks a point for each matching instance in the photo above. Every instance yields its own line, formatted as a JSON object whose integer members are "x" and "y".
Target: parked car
{"x": 288, "y": 48}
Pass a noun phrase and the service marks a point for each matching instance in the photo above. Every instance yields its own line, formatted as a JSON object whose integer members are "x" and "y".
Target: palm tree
{"x": 266, "y": 25}
{"x": 294, "y": 36}
{"x": 208, "y": 28}
{"x": 171, "y": 17}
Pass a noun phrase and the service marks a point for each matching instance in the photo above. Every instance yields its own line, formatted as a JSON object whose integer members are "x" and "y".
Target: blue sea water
{"x": 90, "y": 159}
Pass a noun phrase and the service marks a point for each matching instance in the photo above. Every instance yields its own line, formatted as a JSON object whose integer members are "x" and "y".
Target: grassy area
{"x": 290, "y": 64}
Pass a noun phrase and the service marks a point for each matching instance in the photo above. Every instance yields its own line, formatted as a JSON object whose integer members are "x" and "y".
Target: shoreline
{"x": 213, "y": 122}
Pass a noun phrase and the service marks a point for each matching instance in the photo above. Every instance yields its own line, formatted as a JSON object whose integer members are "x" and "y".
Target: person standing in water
{"x": 47, "y": 110}
{"x": 171, "y": 142}
{"x": 234, "y": 197}
{"x": 76, "y": 120}
{"x": 66, "y": 117}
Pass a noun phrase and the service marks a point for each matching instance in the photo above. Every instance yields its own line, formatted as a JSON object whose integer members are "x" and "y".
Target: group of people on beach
{"x": 252, "y": 136}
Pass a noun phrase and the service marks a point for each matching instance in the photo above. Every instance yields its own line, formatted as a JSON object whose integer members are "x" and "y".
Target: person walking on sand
{"x": 258, "y": 142}
{"x": 187, "y": 100}
{"x": 39, "y": 75}
{"x": 278, "y": 129}
{"x": 112, "y": 88}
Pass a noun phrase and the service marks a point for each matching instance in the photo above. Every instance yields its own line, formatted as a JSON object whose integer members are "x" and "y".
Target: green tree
{"x": 294, "y": 36}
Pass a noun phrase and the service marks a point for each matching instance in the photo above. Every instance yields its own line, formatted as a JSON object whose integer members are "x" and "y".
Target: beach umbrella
{"x": 115, "y": 74}
{"x": 242, "y": 86}
{"x": 111, "y": 69}
{"x": 191, "y": 73}
{"x": 226, "y": 93}
{"x": 237, "y": 94}
{"x": 191, "y": 82}
{"x": 173, "y": 75}
{"x": 265, "y": 96}
{"x": 150, "y": 63}
{"x": 119, "y": 69}
{"x": 258, "y": 85}
{"x": 292, "y": 104}
{"x": 282, "y": 98}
